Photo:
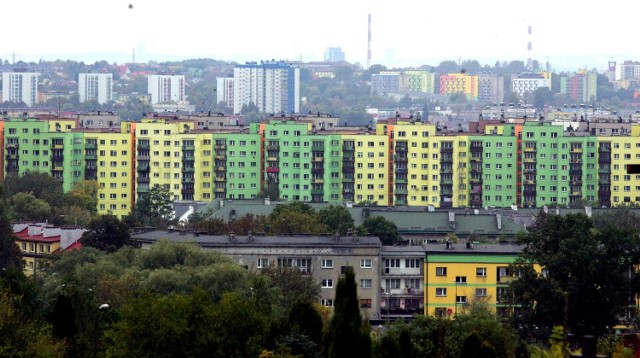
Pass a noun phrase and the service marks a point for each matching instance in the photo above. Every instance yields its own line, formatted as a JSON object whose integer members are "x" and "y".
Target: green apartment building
{"x": 399, "y": 163}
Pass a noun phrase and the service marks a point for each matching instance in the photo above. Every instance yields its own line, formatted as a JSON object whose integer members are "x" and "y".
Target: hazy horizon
{"x": 404, "y": 33}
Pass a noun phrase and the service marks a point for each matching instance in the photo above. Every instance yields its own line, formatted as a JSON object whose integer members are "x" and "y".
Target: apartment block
{"x": 460, "y": 275}
{"x": 20, "y": 87}
{"x": 273, "y": 86}
{"x": 224, "y": 90}
{"x": 324, "y": 258}
{"x": 525, "y": 84}
{"x": 95, "y": 87}
{"x": 581, "y": 86}
{"x": 166, "y": 88}
{"x": 459, "y": 83}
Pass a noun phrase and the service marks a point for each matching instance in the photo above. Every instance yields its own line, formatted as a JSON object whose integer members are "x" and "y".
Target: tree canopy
{"x": 586, "y": 281}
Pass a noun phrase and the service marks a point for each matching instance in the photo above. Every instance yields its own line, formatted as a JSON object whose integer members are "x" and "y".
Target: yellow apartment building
{"x": 460, "y": 275}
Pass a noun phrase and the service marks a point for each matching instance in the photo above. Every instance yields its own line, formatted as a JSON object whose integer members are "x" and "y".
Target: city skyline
{"x": 405, "y": 34}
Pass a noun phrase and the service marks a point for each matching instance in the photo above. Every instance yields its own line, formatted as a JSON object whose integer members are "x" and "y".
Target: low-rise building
{"x": 325, "y": 258}
{"x": 39, "y": 241}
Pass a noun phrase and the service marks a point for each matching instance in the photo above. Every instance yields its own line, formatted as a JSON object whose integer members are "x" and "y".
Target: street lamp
{"x": 103, "y": 307}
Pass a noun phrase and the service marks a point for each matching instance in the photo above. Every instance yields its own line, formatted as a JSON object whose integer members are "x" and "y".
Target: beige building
{"x": 324, "y": 258}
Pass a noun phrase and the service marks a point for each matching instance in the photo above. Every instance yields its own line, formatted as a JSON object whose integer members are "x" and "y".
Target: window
{"x": 412, "y": 263}
{"x": 393, "y": 283}
{"x": 461, "y": 299}
{"x": 461, "y": 279}
{"x": 327, "y": 302}
{"x": 441, "y": 271}
{"x": 262, "y": 263}
{"x": 441, "y": 291}
{"x": 365, "y": 303}
{"x": 328, "y": 283}
{"x": 365, "y": 283}
{"x": 481, "y": 292}
{"x": 327, "y": 263}
{"x": 481, "y": 271}
{"x": 365, "y": 263}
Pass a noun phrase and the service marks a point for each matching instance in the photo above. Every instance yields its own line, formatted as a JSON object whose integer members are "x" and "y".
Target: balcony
{"x": 446, "y": 159}
{"x": 57, "y": 168}
{"x": 604, "y": 170}
{"x": 476, "y": 149}
{"x": 221, "y": 168}
{"x": 317, "y": 192}
{"x": 530, "y": 149}
{"x": 143, "y": 168}
{"x": 91, "y": 156}
{"x": 91, "y": 145}
{"x": 12, "y": 168}
{"x": 348, "y": 159}
{"x": 476, "y": 159}
{"x": 402, "y": 191}
{"x": 188, "y": 147}
{"x": 446, "y": 181}
{"x": 144, "y": 146}
{"x": 446, "y": 150}
{"x": 347, "y": 190}
{"x": 189, "y": 159}
{"x": 529, "y": 160}
{"x": 219, "y": 190}
{"x": 401, "y": 170}
{"x": 220, "y": 147}
{"x": 576, "y": 193}
{"x": 529, "y": 192}
{"x": 272, "y": 159}
{"x": 188, "y": 191}
{"x": 57, "y": 146}
{"x": 273, "y": 170}
{"x": 317, "y": 181}
{"x": 142, "y": 156}
{"x": 274, "y": 147}
{"x": 401, "y": 159}
{"x": 347, "y": 179}
{"x": 220, "y": 179}
{"x": 348, "y": 148}
{"x": 446, "y": 192}
{"x": 401, "y": 202}
{"x": 401, "y": 180}
{"x": 317, "y": 148}
{"x": 188, "y": 169}
{"x": 318, "y": 159}
{"x": 529, "y": 171}
{"x": 13, "y": 146}
{"x": 13, "y": 156}
{"x": 144, "y": 179}
{"x": 221, "y": 157}
{"x": 317, "y": 170}
{"x": 402, "y": 149}
{"x": 143, "y": 189}
{"x": 348, "y": 169}
{"x": 604, "y": 149}
{"x": 446, "y": 170}
{"x": 575, "y": 172}
{"x": 575, "y": 150}
{"x": 187, "y": 180}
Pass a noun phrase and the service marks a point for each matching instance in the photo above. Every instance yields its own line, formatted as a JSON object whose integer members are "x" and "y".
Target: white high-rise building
{"x": 273, "y": 86}
{"x": 95, "y": 86}
{"x": 20, "y": 87}
{"x": 527, "y": 83}
{"x": 166, "y": 88}
{"x": 224, "y": 90}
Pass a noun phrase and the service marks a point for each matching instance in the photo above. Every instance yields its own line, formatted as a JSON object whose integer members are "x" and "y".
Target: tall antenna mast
{"x": 133, "y": 55}
{"x": 369, "y": 44}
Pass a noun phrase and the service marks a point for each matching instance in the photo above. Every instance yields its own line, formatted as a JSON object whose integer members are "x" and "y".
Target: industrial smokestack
{"x": 529, "y": 48}
{"x": 369, "y": 44}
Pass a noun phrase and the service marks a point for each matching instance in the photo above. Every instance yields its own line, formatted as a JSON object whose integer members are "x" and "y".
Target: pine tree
{"x": 348, "y": 336}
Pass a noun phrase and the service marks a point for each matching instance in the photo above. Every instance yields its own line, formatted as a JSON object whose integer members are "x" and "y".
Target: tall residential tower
{"x": 273, "y": 86}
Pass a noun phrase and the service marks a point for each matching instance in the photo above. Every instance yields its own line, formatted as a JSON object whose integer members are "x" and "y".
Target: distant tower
{"x": 369, "y": 45}
{"x": 529, "y": 47}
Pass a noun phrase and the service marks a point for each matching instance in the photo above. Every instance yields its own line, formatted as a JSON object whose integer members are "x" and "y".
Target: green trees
{"x": 106, "y": 233}
{"x": 586, "y": 278}
{"x": 348, "y": 334}
{"x": 155, "y": 208}
{"x": 27, "y": 207}
{"x": 336, "y": 218}
{"x": 378, "y": 226}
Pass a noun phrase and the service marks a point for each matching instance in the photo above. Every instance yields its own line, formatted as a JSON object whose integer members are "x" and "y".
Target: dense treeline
{"x": 297, "y": 218}
{"x": 179, "y": 300}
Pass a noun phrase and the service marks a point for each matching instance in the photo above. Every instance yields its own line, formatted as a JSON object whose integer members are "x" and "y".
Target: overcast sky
{"x": 568, "y": 34}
